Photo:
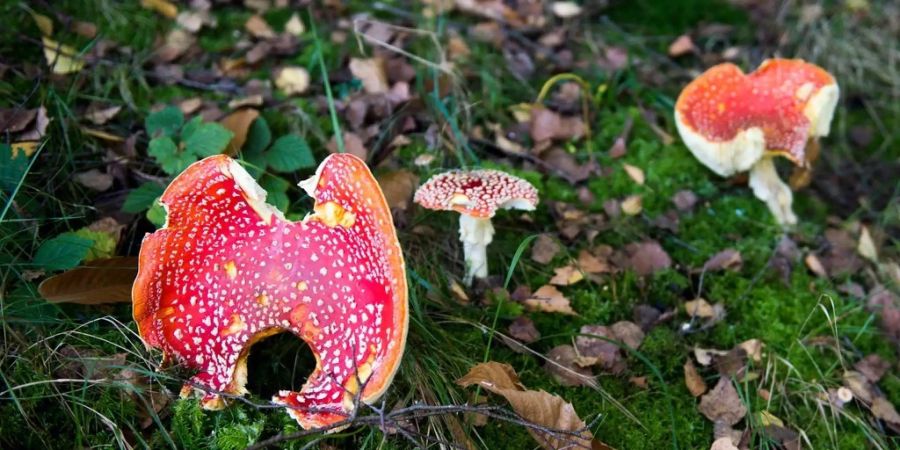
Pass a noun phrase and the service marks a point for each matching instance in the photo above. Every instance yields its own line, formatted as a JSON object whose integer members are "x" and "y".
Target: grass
{"x": 117, "y": 398}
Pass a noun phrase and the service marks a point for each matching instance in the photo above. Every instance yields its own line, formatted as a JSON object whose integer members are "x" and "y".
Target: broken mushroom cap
{"x": 734, "y": 122}
{"x": 729, "y": 120}
{"x": 476, "y": 195}
{"x": 228, "y": 270}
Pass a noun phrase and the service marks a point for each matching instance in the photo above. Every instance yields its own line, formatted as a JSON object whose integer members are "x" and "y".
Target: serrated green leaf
{"x": 290, "y": 153}
{"x": 104, "y": 245}
{"x": 172, "y": 159}
{"x": 258, "y": 137}
{"x": 142, "y": 197}
{"x": 191, "y": 127}
{"x": 255, "y": 163}
{"x": 157, "y": 214}
{"x": 165, "y": 122}
{"x": 276, "y": 191}
{"x": 62, "y": 252}
{"x": 208, "y": 139}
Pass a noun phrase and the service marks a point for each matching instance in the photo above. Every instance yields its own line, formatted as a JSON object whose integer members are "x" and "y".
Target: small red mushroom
{"x": 227, "y": 270}
{"x": 476, "y": 195}
{"x": 733, "y": 122}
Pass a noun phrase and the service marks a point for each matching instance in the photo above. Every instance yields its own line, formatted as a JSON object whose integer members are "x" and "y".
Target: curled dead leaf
{"x": 549, "y": 299}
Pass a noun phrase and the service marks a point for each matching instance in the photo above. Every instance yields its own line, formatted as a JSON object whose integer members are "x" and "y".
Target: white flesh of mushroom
{"x": 475, "y": 233}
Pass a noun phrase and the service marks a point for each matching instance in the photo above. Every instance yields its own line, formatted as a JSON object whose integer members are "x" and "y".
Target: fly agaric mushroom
{"x": 734, "y": 122}
{"x": 476, "y": 195}
{"x": 227, "y": 270}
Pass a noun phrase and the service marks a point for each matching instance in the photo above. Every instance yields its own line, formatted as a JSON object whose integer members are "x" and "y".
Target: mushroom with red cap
{"x": 476, "y": 195}
{"x": 228, "y": 270}
{"x": 733, "y": 122}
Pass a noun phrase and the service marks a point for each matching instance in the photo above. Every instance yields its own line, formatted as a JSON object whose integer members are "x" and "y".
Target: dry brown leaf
{"x": 723, "y": 403}
{"x": 699, "y": 308}
{"x": 693, "y": 380}
{"x": 600, "y": 352}
{"x": 164, "y": 7}
{"x": 647, "y": 257}
{"x": 99, "y": 281}
{"x": 398, "y": 187}
{"x": 292, "y": 80}
{"x": 561, "y": 365}
{"x": 566, "y": 275}
{"x": 632, "y": 205}
{"x": 752, "y": 348}
{"x": 370, "y": 71}
{"x": 523, "y": 329}
{"x": 815, "y": 265}
{"x": 866, "y": 247}
{"x": 539, "y": 407}
{"x": 294, "y": 25}
{"x": 238, "y": 123}
{"x": 259, "y": 28}
{"x": 545, "y": 249}
{"x": 549, "y": 299}
{"x": 548, "y": 125}
{"x": 635, "y": 173}
{"x": 684, "y": 200}
{"x": 859, "y": 385}
{"x": 94, "y": 179}
{"x": 728, "y": 259}
{"x": 873, "y": 367}
{"x": 353, "y": 144}
{"x": 100, "y": 116}
{"x": 682, "y": 45}
{"x": 705, "y": 356}
{"x": 884, "y": 410}
{"x": 565, "y": 9}
{"x": 589, "y": 263}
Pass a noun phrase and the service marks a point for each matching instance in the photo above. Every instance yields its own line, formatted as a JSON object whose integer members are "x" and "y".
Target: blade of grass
{"x": 338, "y": 136}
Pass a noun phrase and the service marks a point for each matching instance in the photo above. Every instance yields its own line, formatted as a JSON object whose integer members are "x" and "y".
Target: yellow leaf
{"x": 24, "y": 148}
{"x": 866, "y": 247}
{"x": 101, "y": 135}
{"x": 632, "y": 205}
{"x": 43, "y": 23}
{"x": 292, "y": 80}
{"x": 371, "y": 72}
{"x": 61, "y": 58}
{"x": 635, "y": 173}
{"x": 163, "y": 7}
{"x": 549, "y": 299}
{"x": 295, "y": 25}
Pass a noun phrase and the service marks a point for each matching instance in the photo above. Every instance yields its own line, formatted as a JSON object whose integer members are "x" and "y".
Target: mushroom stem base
{"x": 475, "y": 233}
{"x": 768, "y": 187}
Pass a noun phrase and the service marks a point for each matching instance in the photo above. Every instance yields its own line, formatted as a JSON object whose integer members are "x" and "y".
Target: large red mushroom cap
{"x": 729, "y": 120}
{"x": 476, "y": 193}
{"x": 228, "y": 270}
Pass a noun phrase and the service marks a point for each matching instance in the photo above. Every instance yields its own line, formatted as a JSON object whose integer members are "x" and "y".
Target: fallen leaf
{"x": 562, "y": 367}
{"x": 699, "y": 308}
{"x": 292, "y": 80}
{"x": 539, "y": 407}
{"x": 635, "y": 173}
{"x": 177, "y": 42}
{"x": 164, "y": 7}
{"x": 565, "y": 9}
{"x": 353, "y": 145}
{"x": 523, "y": 329}
{"x": 250, "y": 100}
{"x": 693, "y": 380}
{"x": 599, "y": 352}
{"x": 459, "y": 292}
{"x": 859, "y": 386}
{"x": 752, "y": 348}
{"x": 645, "y": 258}
{"x": 238, "y": 123}
{"x": 259, "y": 28}
{"x": 566, "y": 275}
{"x": 873, "y": 367}
{"x": 62, "y": 59}
{"x": 398, "y": 187}
{"x": 548, "y": 125}
{"x": 866, "y": 247}
{"x": 723, "y": 404}
{"x": 589, "y": 263}
{"x": 815, "y": 265}
{"x": 100, "y": 116}
{"x": 371, "y": 72}
{"x": 632, "y": 205}
{"x": 94, "y": 179}
{"x": 682, "y": 45}
{"x": 294, "y": 25}
{"x": 14, "y": 120}
{"x": 887, "y": 305}
{"x": 728, "y": 259}
{"x": 884, "y": 410}
{"x": 98, "y": 281}
{"x": 684, "y": 200}
{"x": 549, "y": 299}
{"x": 545, "y": 249}
{"x": 44, "y": 23}
{"x": 705, "y": 356}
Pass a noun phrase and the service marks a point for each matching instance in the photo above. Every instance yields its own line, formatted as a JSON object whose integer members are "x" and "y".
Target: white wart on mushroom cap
{"x": 228, "y": 270}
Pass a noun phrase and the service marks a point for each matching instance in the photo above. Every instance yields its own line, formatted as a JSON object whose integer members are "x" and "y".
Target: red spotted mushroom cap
{"x": 788, "y": 100}
{"x": 228, "y": 270}
{"x": 477, "y": 193}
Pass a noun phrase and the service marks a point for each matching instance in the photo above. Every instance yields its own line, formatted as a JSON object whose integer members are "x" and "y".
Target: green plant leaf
{"x": 290, "y": 153}
{"x": 258, "y": 137}
{"x": 276, "y": 191}
{"x": 157, "y": 214}
{"x": 207, "y": 140}
{"x": 104, "y": 243}
{"x": 12, "y": 167}
{"x": 165, "y": 122}
{"x": 142, "y": 197}
{"x": 170, "y": 158}
{"x": 62, "y": 252}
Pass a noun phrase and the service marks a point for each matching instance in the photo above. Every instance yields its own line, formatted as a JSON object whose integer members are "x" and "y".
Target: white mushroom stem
{"x": 768, "y": 187}
{"x": 475, "y": 233}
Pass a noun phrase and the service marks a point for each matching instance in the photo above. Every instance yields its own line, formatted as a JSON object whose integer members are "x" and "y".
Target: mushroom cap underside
{"x": 228, "y": 270}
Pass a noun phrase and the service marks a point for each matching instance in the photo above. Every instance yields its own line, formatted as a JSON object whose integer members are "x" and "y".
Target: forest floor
{"x": 718, "y": 323}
